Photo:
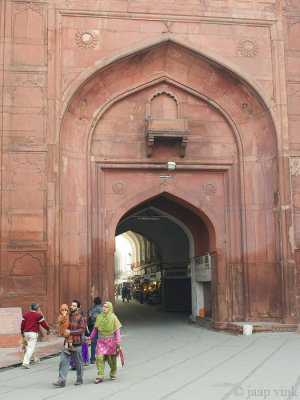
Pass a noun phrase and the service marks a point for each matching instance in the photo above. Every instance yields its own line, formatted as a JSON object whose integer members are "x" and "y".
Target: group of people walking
{"x": 102, "y": 326}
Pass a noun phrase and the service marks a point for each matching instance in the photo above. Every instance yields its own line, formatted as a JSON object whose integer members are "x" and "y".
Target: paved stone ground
{"x": 168, "y": 358}
{"x": 9, "y": 356}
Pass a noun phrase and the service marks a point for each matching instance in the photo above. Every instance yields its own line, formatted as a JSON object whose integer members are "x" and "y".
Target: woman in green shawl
{"x": 108, "y": 327}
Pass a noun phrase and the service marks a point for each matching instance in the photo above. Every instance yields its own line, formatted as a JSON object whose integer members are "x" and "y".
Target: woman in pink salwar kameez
{"x": 108, "y": 327}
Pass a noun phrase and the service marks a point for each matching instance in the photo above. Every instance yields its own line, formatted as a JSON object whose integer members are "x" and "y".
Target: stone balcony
{"x": 173, "y": 130}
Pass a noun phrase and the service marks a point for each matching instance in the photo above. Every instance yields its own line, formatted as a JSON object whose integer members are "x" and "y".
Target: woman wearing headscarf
{"x": 108, "y": 327}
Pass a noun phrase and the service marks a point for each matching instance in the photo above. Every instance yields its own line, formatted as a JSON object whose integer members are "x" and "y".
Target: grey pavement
{"x": 166, "y": 357}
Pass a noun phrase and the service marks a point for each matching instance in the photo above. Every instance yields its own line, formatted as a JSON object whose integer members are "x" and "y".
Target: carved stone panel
{"x": 26, "y": 272}
{"x": 27, "y": 200}
{"x": 29, "y": 33}
{"x": 27, "y": 117}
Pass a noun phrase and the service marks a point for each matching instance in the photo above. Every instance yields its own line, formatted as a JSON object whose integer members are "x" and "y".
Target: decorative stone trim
{"x": 295, "y": 166}
{"x": 248, "y": 48}
{"x": 169, "y": 26}
{"x": 166, "y": 92}
{"x": 119, "y": 187}
{"x": 86, "y": 39}
{"x": 23, "y": 262}
{"x": 209, "y": 188}
{"x": 38, "y": 8}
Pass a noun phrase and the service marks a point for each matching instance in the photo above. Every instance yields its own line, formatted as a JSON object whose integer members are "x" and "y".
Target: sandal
{"x": 98, "y": 380}
{"x": 112, "y": 378}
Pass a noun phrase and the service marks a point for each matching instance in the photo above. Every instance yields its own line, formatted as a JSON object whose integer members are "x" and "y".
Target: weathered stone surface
{"x": 10, "y": 326}
{"x": 77, "y": 85}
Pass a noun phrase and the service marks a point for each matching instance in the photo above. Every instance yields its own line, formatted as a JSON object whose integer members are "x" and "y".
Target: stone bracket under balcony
{"x": 171, "y": 130}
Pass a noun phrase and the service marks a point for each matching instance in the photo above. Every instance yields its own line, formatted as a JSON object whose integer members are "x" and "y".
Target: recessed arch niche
{"x": 230, "y": 149}
{"x": 163, "y": 105}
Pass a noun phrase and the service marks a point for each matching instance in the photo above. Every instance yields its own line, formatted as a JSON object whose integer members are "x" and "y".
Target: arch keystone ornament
{"x": 169, "y": 26}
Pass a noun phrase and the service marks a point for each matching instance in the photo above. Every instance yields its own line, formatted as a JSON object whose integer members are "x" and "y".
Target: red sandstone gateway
{"x": 98, "y": 99}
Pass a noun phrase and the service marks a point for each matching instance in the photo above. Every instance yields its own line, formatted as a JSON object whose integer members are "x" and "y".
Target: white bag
{"x": 120, "y": 358}
{"x": 119, "y": 364}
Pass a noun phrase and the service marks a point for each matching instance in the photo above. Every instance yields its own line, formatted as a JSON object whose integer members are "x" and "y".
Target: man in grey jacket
{"x": 92, "y": 316}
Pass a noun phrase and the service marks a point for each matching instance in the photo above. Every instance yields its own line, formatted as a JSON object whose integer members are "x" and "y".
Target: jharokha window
{"x": 163, "y": 123}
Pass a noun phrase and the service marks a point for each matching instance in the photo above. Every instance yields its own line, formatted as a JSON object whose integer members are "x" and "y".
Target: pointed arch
{"x": 179, "y": 197}
{"x": 202, "y": 51}
{"x": 103, "y": 90}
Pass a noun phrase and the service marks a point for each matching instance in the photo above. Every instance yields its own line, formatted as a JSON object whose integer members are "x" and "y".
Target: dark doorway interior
{"x": 162, "y": 221}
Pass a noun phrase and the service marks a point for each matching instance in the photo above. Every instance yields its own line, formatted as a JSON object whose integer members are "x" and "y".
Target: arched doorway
{"x": 182, "y": 239}
{"x": 226, "y": 171}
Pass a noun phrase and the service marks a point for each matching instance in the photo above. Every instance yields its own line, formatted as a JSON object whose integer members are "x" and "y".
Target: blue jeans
{"x": 93, "y": 347}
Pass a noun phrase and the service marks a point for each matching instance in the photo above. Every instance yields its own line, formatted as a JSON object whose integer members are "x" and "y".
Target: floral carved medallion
{"x": 86, "y": 39}
{"x": 209, "y": 188}
{"x": 119, "y": 187}
{"x": 248, "y": 48}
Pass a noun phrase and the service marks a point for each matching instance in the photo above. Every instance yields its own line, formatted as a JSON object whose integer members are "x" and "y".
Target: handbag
{"x": 22, "y": 349}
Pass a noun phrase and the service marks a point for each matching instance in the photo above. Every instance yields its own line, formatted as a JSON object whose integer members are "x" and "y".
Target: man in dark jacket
{"x": 92, "y": 316}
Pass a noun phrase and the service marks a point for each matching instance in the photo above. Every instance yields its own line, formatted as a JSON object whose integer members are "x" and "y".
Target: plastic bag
{"x": 22, "y": 349}
{"x": 120, "y": 358}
